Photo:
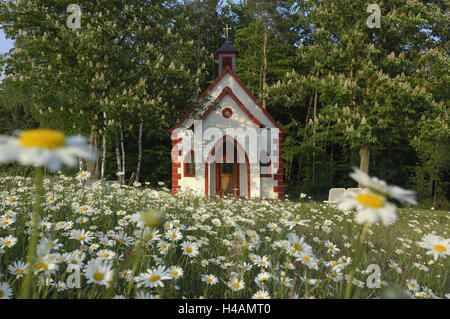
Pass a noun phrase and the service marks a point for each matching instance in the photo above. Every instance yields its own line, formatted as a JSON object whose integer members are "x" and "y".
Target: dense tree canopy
{"x": 348, "y": 93}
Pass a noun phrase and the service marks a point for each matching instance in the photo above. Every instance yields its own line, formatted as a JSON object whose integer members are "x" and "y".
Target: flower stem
{"x": 27, "y": 286}
{"x": 356, "y": 259}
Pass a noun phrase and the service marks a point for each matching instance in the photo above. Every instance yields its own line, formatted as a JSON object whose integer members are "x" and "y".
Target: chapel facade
{"x": 214, "y": 152}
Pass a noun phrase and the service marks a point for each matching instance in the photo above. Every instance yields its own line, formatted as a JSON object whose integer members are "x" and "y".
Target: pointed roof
{"x": 224, "y": 72}
{"x": 227, "y": 47}
{"x": 228, "y": 91}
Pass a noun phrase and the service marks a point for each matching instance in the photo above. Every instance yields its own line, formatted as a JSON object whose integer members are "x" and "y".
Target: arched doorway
{"x": 227, "y": 176}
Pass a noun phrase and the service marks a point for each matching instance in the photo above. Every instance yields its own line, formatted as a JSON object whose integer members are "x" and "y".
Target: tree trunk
{"x": 80, "y": 164}
{"x": 102, "y": 170}
{"x": 304, "y": 139}
{"x": 299, "y": 171}
{"x": 122, "y": 147}
{"x": 264, "y": 73}
{"x": 93, "y": 166}
{"x": 435, "y": 173}
{"x": 364, "y": 157}
{"x": 289, "y": 170}
{"x": 314, "y": 140}
{"x": 119, "y": 160}
{"x": 138, "y": 168}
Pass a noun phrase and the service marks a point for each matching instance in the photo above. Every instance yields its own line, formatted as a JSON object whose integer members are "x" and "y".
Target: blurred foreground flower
{"x": 371, "y": 208}
{"x": 150, "y": 218}
{"x": 372, "y": 205}
{"x": 44, "y": 147}
{"x": 382, "y": 188}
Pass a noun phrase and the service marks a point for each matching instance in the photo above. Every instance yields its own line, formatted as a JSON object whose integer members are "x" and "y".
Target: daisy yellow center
{"x": 236, "y": 285}
{"x": 41, "y": 266}
{"x": 6, "y": 242}
{"x": 81, "y": 238}
{"x": 440, "y": 248}
{"x": 209, "y": 279}
{"x": 42, "y": 138}
{"x": 298, "y": 246}
{"x": 412, "y": 285}
{"x": 154, "y": 278}
{"x": 370, "y": 200}
{"x": 74, "y": 262}
{"x": 12, "y": 200}
{"x": 105, "y": 255}
{"x": 98, "y": 276}
{"x": 306, "y": 258}
{"x": 19, "y": 271}
{"x": 189, "y": 250}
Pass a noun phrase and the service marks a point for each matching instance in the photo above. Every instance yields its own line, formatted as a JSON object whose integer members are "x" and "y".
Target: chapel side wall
{"x": 267, "y": 187}
{"x": 197, "y": 183}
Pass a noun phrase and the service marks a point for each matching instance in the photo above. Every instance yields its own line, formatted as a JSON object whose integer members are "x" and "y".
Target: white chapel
{"x": 237, "y": 148}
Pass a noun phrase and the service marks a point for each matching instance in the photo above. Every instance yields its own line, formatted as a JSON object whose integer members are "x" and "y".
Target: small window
{"x": 189, "y": 165}
{"x": 227, "y": 112}
{"x": 227, "y": 61}
{"x": 227, "y": 168}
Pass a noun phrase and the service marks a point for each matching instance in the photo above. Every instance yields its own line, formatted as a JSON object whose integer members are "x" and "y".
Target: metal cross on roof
{"x": 226, "y": 31}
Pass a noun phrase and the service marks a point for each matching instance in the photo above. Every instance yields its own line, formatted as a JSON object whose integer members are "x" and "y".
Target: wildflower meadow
{"x": 141, "y": 242}
{"x": 224, "y": 150}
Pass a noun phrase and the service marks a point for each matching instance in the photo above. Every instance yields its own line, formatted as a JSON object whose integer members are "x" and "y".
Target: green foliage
{"x": 334, "y": 83}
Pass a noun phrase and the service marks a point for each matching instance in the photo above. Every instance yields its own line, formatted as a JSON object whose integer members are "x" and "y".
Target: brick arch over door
{"x": 226, "y": 138}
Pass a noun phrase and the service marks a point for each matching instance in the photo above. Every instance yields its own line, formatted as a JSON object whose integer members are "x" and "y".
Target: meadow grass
{"x": 235, "y": 238}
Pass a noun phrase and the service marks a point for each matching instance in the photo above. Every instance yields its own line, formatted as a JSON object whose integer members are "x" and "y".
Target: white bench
{"x": 335, "y": 193}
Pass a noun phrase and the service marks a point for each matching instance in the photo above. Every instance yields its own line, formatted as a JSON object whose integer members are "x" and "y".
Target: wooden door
{"x": 227, "y": 177}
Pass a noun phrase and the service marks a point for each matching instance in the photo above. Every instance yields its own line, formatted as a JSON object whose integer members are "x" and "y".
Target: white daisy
{"x": 437, "y": 246}
{"x": 236, "y": 284}
{"x": 261, "y": 294}
{"x": 154, "y": 277}
{"x": 44, "y": 147}
{"x": 18, "y": 269}
{"x": 210, "y": 279}
{"x": 189, "y": 248}
{"x": 5, "y": 291}
{"x": 83, "y": 175}
{"x": 413, "y": 285}
{"x": 98, "y": 272}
